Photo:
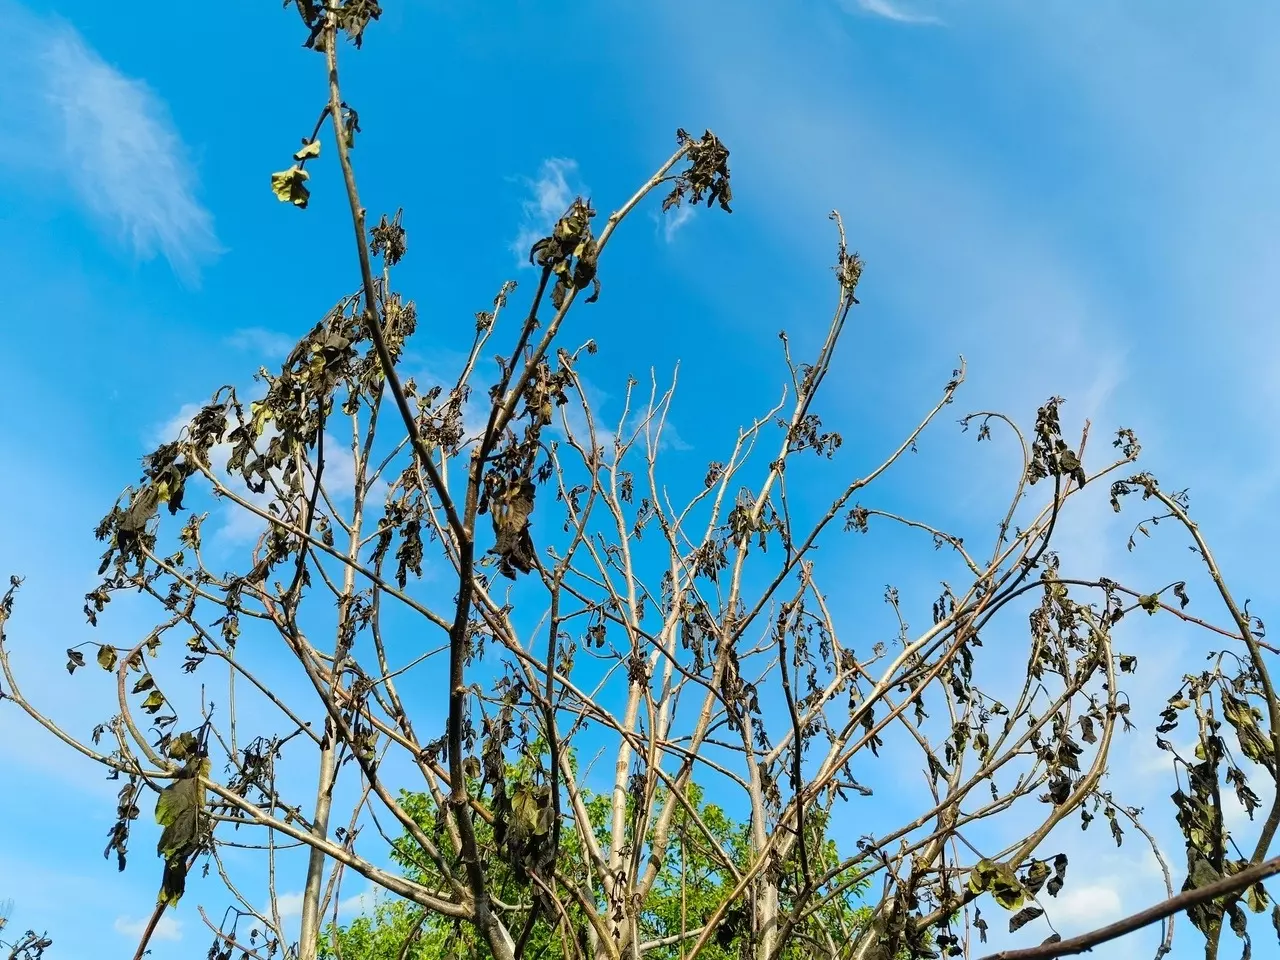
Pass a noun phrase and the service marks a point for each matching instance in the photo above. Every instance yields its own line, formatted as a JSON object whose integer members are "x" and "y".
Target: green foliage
{"x": 691, "y": 883}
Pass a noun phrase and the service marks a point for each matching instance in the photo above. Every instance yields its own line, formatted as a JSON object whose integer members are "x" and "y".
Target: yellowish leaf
{"x": 290, "y": 186}
{"x": 308, "y": 151}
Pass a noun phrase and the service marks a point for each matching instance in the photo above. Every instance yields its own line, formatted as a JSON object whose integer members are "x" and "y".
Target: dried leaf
{"x": 1023, "y": 917}
{"x": 180, "y": 811}
{"x": 309, "y": 150}
{"x": 290, "y": 186}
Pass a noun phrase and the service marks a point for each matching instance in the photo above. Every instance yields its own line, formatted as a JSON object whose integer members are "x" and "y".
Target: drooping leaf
{"x": 1035, "y": 877}
{"x": 107, "y": 657}
{"x": 1023, "y": 917}
{"x": 981, "y": 924}
{"x": 290, "y": 186}
{"x": 1059, "y": 874}
{"x": 309, "y": 150}
{"x": 182, "y": 746}
{"x": 510, "y": 512}
{"x": 1256, "y": 898}
{"x": 1086, "y": 729}
{"x": 1000, "y": 881}
{"x": 154, "y": 701}
{"x": 180, "y": 811}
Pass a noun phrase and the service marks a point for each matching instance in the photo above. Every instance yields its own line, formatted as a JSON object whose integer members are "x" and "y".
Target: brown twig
{"x": 1227, "y": 886}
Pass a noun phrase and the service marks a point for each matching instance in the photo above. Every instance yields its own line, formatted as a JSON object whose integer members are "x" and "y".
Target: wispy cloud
{"x": 289, "y": 905}
{"x": 107, "y": 138}
{"x": 551, "y": 192}
{"x": 167, "y": 928}
{"x": 673, "y": 220}
{"x": 262, "y": 342}
{"x": 889, "y": 10}
{"x": 1089, "y": 905}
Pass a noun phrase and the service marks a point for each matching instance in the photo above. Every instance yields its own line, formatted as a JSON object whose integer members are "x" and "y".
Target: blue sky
{"x": 1081, "y": 199}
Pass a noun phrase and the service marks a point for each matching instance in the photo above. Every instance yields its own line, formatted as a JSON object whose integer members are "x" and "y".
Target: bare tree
{"x": 487, "y": 552}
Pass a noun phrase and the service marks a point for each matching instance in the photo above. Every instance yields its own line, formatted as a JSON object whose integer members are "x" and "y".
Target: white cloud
{"x": 358, "y": 904}
{"x": 261, "y": 341}
{"x": 105, "y": 139}
{"x": 1217, "y": 186}
{"x": 675, "y": 219}
{"x": 1151, "y": 761}
{"x": 167, "y": 928}
{"x": 171, "y": 428}
{"x": 1085, "y": 907}
{"x": 671, "y": 439}
{"x": 290, "y": 905}
{"x": 888, "y": 10}
{"x": 551, "y": 193}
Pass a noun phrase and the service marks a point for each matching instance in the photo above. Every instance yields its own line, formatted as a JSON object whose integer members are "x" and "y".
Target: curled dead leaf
{"x": 290, "y": 186}
{"x": 309, "y": 150}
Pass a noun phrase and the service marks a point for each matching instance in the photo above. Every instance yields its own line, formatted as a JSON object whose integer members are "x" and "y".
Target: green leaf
{"x": 531, "y": 810}
{"x": 1009, "y": 897}
{"x": 1149, "y": 602}
{"x": 260, "y": 413}
{"x": 145, "y": 682}
{"x": 154, "y": 701}
{"x": 106, "y": 657}
{"x": 176, "y": 810}
{"x": 182, "y": 746}
{"x": 524, "y": 809}
{"x": 290, "y": 186}
{"x": 1000, "y": 881}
